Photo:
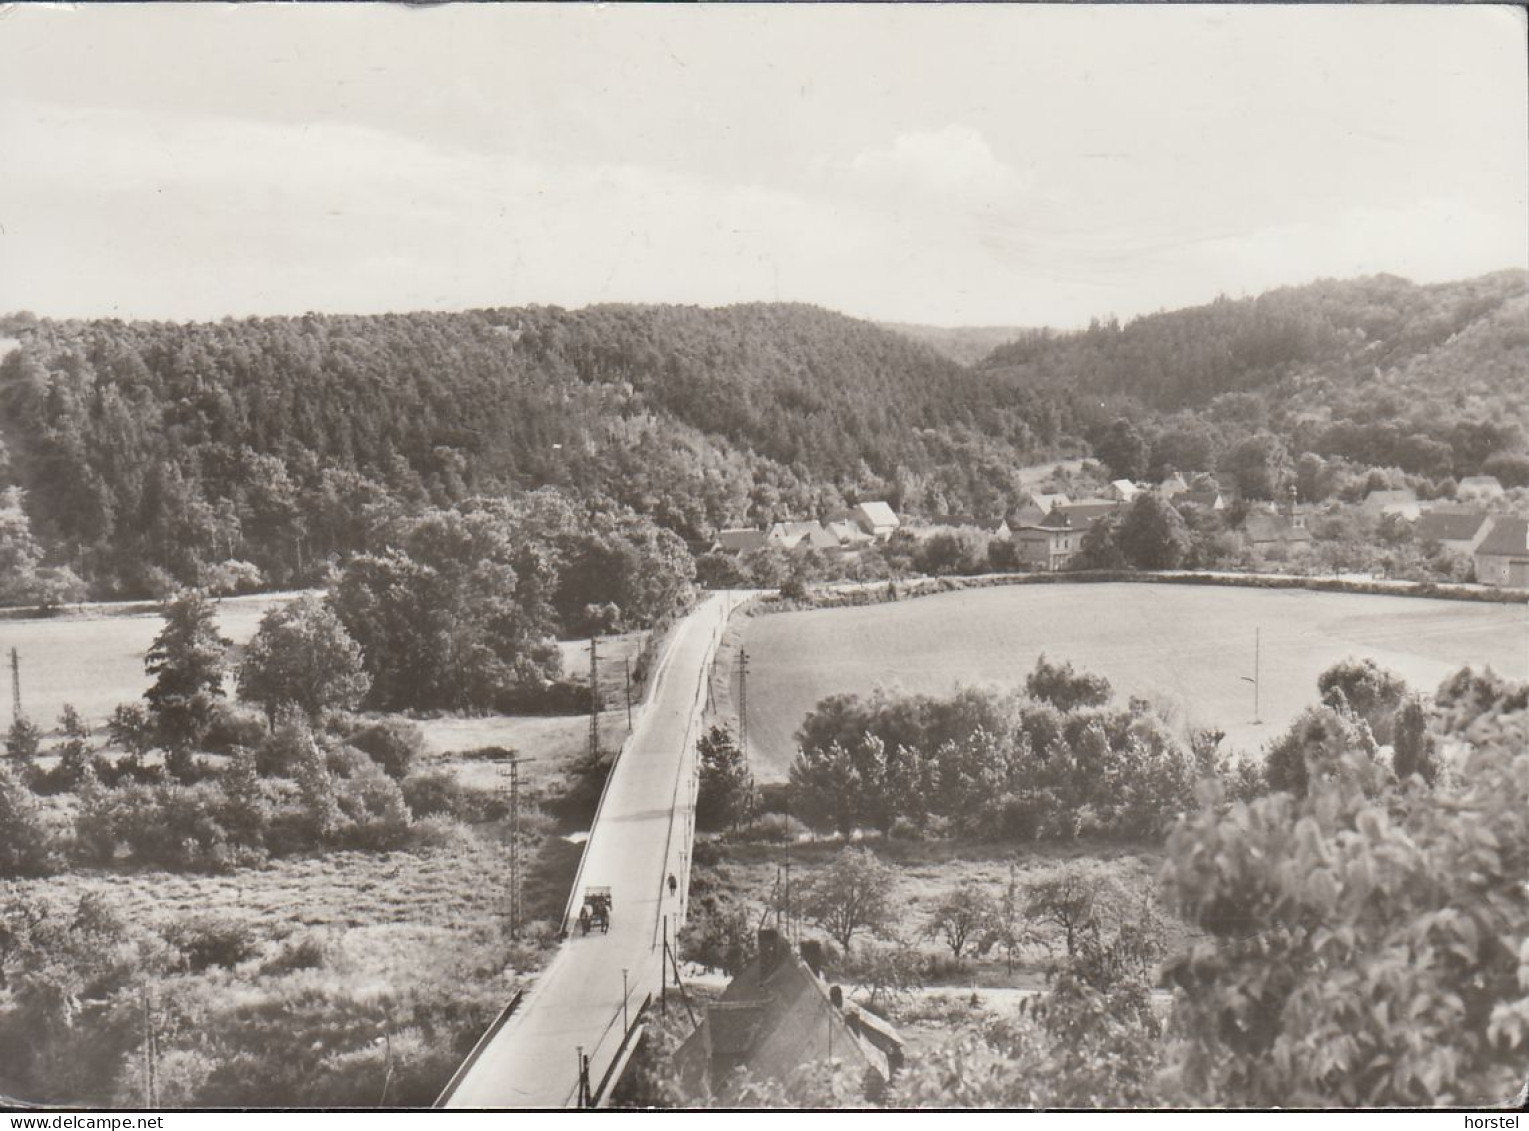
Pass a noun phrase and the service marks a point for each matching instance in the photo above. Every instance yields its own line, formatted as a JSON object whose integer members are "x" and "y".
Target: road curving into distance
{"x": 641, "y": 836}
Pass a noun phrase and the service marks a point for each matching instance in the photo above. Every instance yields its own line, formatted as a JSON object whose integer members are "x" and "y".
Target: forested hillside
{"x": 145, "y": 447}
{"x": 1432, "y": 380}
{"x": 145, "y": 453}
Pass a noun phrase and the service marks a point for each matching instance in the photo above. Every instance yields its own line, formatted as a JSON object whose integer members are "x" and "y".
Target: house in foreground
{"x": 1047, "y": 546}
{"x": 1502, "y": 559}
{"x": 778, "y": 1016}
{"x": 1455, "y": 528}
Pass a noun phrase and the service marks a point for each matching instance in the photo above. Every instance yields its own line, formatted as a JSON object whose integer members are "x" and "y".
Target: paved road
{"x": 641, "y": 836}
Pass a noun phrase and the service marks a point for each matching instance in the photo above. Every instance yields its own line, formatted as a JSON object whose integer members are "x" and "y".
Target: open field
{"x": 1184, "y": 647}
{"x": 93, "y": 657}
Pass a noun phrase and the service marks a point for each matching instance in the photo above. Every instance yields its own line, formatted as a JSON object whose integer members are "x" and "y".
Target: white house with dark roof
{"x": 1502, "y": 559}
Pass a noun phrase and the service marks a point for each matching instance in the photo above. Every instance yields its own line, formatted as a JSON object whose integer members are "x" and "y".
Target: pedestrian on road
{"x": 674, "y": 885}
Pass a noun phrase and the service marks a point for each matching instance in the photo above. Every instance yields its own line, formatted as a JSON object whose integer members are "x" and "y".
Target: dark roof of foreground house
{"x": 1266, "y": 528}
{"x": 1082, "y": 515}
{"x": 737, "y": 541}
{"x": 777, "y": 1016}
{"x": 1509, "y": 538}
{"x": 1449, "y": 525}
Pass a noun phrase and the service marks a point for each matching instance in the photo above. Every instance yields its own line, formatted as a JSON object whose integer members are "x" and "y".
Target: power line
{"x": 594, "y": 699}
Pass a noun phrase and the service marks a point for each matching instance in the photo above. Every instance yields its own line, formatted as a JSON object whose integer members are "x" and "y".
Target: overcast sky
{"x": 955, "y": 165}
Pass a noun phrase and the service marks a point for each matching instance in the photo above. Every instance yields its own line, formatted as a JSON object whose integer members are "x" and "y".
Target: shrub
{"x": 393, "y": 744}
{"x": 772, "y": 828}
{"x": 309, "y": 952}
{"x": 232, "y": 727}
{"x": 434, "y": 793}
{"x": 205, "y": 941}
{"x": 440, "y": 831}
{"x": 374, "y": 811}
{"x": 23, "y": 740}
{"x": 25, "y": 839}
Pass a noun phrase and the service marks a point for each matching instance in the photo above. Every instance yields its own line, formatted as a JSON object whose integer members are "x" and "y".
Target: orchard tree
{"x": 302, "y": 655}
{"x": 853, "y": 894}
{"x": 1069, "y": 899}
{"x": 187, "y": 661}
{"x": 964, "y": 916}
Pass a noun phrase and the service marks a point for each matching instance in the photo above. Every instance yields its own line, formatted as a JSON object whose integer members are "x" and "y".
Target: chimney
{"x": 769, "y": 951}
{"x": 812, "y": 954}
{"x": 836, "y": 997}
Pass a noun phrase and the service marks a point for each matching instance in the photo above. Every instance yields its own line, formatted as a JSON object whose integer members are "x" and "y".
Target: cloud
{"x": 954, "y": 166}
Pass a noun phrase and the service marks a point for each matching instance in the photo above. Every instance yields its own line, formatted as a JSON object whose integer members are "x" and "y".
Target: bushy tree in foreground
{"x": 1361, "y": 949}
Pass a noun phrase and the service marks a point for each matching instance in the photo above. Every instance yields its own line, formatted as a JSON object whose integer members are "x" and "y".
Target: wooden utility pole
{"x": 515, "y": 905}
{"x": 743, "y": 703}
{"x": 1257, "y": 649}
{"x": 150, "y": 1083}
{"x": 627, "y": 661}
{"x": 594, "y": 699}
{"x": 15, "y": 686}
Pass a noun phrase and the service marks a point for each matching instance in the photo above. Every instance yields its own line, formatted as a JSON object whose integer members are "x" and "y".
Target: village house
{"x": 1172, "y": 487}
{"x": 1047, "y": 546}
{"x": 1479, "y": 487}
{"x": 847, "y": 533}
{"x": 778, "y": 1015}
{"x": 877, "y": 519}
{"x": 740, "y": 540}
{"x": 1403, "y": 502}
{"x": 802, "y": 535}
{"x": 1266, "y": 532}
{"x": 1083, "y": 514}
{"x": 1455, "y": 528}
{"x": 1502, "y": 558}
{"x": 1205, "y": 492}
{"x": 1122, "y": 491}
{"x": 1033, "y": 508}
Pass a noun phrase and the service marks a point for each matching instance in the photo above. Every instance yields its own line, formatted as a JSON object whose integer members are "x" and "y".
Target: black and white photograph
{"x": 852, "y": 556}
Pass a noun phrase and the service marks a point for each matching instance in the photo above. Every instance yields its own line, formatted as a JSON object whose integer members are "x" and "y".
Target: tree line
{"x": 252, "y": 452}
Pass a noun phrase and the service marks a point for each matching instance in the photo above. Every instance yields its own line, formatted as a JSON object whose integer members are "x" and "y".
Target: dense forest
{"x": 140, "y": 455}
{"x": 1430, "y": 380}
{"x": 146, "y": 449}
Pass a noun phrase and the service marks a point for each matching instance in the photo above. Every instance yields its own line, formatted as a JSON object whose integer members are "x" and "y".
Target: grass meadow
{"x": 1185, "y": 648}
